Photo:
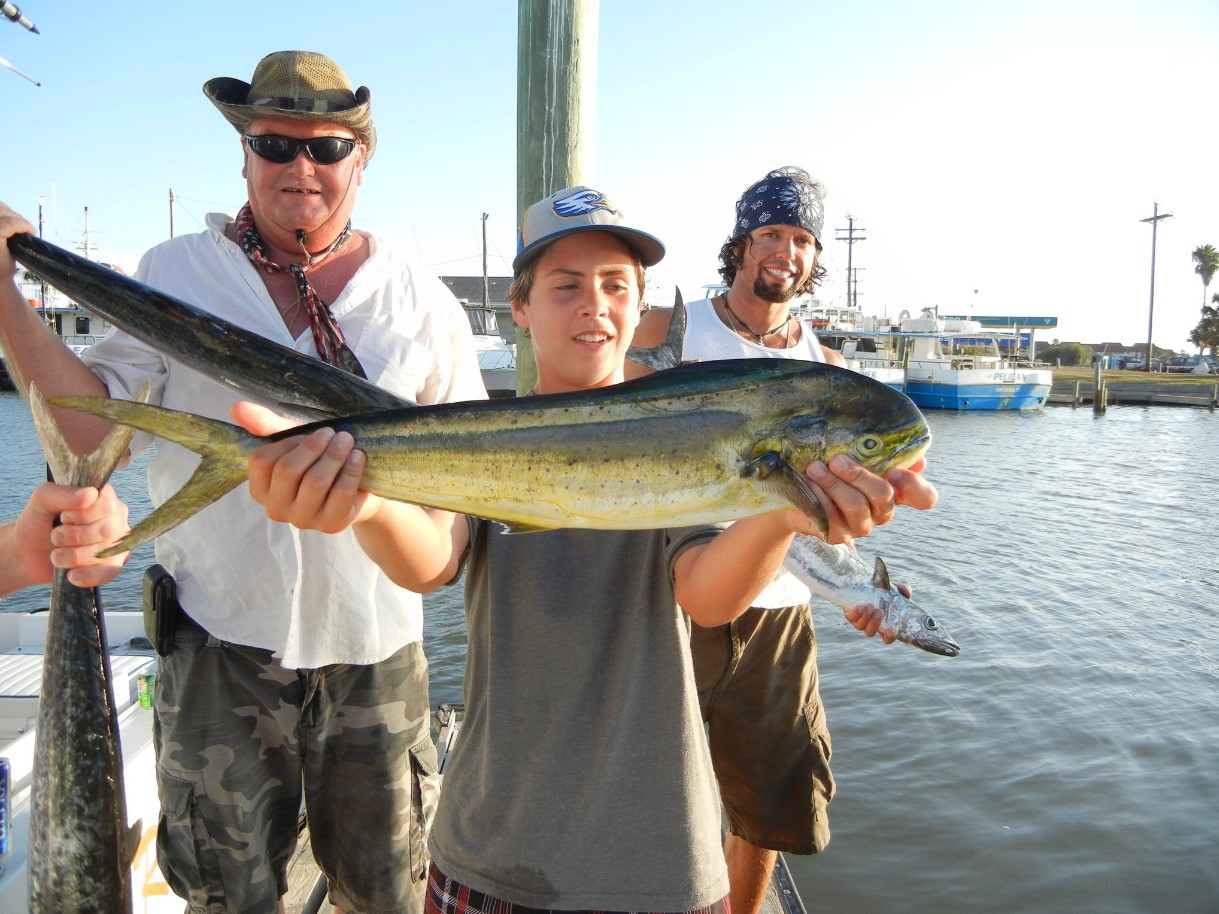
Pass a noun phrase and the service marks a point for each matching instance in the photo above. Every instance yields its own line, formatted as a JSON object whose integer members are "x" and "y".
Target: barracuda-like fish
{"x": 842, "y": 576}
{"x": 80, "y": 849}
{"x": 710, "y": 442}
{"x": 225, "y": 352}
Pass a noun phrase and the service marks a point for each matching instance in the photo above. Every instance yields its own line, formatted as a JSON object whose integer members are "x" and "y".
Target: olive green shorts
{"x": 770, "y": 746}
{"x": 241, "y": 742}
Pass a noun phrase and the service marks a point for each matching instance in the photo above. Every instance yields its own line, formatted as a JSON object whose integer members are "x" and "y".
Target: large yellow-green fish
{"x": 704, "y": 443}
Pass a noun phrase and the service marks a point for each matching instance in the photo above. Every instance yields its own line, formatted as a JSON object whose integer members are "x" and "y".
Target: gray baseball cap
{"x": 579, "y": 209}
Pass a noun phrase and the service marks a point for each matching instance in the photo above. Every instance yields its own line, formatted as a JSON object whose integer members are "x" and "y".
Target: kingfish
{"x": 81, "y": 848}
{"x": 840, "y": 574}
{"x": 236, "y": 357}
{"x": 704, "y": 443}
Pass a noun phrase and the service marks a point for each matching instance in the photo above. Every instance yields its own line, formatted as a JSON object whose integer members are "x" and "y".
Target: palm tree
{"x": 1206, "y": 264}
{"x": 1206, "y": 334}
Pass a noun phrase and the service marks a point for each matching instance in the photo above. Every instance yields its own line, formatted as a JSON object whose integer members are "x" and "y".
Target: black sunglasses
{"x": 325, "y": 150}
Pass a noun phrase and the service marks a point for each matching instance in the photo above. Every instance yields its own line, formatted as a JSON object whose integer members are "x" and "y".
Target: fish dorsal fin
{"x": 880, "y": 575}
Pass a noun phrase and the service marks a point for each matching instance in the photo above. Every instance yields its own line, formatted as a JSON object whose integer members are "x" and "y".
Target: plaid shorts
{"x": 770, "y": 746}
{"x": 241, "y": 740}
{"x": 447, "y": 896}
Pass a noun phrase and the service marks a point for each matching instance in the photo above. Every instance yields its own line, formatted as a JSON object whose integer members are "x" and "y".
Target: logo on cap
{"x": 583, "y": 202}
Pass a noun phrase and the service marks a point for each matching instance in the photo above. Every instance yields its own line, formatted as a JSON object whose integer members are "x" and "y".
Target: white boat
{"x": 496, "y": 356}
{"x": 827, "y": 318}
{"x": 951, "y": 364}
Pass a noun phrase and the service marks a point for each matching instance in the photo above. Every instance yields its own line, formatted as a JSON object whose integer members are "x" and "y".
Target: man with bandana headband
{"x": 757, "y": 676}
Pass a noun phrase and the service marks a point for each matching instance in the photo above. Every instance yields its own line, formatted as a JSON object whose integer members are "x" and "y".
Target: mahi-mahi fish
{"x": 837, "y": 573}
{"x": 81, "y": 848}
{"x": 703, "y": 443}
{"x": 258, "y": 367}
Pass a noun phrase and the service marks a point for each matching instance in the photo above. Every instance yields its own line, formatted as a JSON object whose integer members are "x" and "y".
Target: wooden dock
{"x": 1203, "y": 394}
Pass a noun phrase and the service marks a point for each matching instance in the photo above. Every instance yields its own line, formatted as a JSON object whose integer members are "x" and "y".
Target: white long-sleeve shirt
{"x": 313, "y": 598}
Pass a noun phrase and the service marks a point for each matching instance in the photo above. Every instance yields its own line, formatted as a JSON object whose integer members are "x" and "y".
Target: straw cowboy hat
{"x": 296, "y": 84}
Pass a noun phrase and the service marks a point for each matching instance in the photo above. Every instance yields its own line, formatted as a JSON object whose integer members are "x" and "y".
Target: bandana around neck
{"x": 332, "y": 348}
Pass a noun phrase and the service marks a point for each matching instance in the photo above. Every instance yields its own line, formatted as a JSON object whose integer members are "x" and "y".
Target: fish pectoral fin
{"x": 880, "y": 575}
{"x": 776, "y": 474}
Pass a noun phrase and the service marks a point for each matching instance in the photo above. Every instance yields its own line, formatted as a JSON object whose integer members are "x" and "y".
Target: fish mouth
{"x": 939, "y": 646}
{"x": 910, "y": 451}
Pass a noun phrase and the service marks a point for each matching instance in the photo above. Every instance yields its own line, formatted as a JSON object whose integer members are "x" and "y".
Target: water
{"x": 1066, "y": 760}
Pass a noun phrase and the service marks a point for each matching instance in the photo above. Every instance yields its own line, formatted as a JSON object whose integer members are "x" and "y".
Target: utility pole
{"x": 850, "y": 239}
{"x": 1154, "y": 219}
{"x": 486, "y": 285}
{"x": 171, "y": 212}
{"x": 855, "y": 286}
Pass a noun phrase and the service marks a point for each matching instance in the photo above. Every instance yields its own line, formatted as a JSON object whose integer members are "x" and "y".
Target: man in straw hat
{"x": 297, "y": 667}
{"x": 757, "y": 676}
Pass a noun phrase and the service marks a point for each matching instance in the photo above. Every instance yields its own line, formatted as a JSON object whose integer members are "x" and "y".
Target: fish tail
{"x": 68, "y": 467}
{"x": 224, "y": 448}
{"x": 668, "y": 353}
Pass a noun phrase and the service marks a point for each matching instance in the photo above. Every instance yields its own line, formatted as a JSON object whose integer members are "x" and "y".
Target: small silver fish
{"x": 842, "y": 576}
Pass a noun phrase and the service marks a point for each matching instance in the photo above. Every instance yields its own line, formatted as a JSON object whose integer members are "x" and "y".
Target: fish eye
{"x": 870, "y": 446}
{"x": 930, "y": 623}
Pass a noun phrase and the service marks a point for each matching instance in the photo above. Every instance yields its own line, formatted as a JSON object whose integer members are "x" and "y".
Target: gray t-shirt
{"x": 582, "y": 778}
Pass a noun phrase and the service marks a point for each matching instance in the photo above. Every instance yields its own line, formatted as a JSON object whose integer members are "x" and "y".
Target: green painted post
{"x": 556, "y": 65}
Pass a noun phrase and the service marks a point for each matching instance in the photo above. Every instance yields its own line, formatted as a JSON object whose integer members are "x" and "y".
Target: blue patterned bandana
{"x": 780, "y": 201}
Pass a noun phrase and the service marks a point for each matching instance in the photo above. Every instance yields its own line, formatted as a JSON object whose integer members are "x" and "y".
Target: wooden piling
{"x": 556, "y": 66}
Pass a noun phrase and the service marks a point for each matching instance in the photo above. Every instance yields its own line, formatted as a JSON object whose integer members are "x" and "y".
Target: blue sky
{"x": 1008, "y": 148}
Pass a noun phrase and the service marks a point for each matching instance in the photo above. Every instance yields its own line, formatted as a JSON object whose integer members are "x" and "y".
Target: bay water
{"x": 1067, "y": 760}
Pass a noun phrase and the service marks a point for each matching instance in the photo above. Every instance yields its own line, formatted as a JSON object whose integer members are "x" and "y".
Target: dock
{"x": 1203, "y": 394}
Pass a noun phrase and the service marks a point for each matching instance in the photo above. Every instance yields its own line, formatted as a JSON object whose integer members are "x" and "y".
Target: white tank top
{"x": 708, "y": 340}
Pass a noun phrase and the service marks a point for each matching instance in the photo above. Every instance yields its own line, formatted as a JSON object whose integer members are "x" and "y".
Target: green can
{"x": 145, "y": 685}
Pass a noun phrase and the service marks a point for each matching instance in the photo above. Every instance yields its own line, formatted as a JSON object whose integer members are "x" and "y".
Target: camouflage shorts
{"x": 241, "y": 741}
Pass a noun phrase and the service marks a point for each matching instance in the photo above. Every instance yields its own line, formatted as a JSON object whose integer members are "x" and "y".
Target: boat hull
{"x": 979, "y": 389}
